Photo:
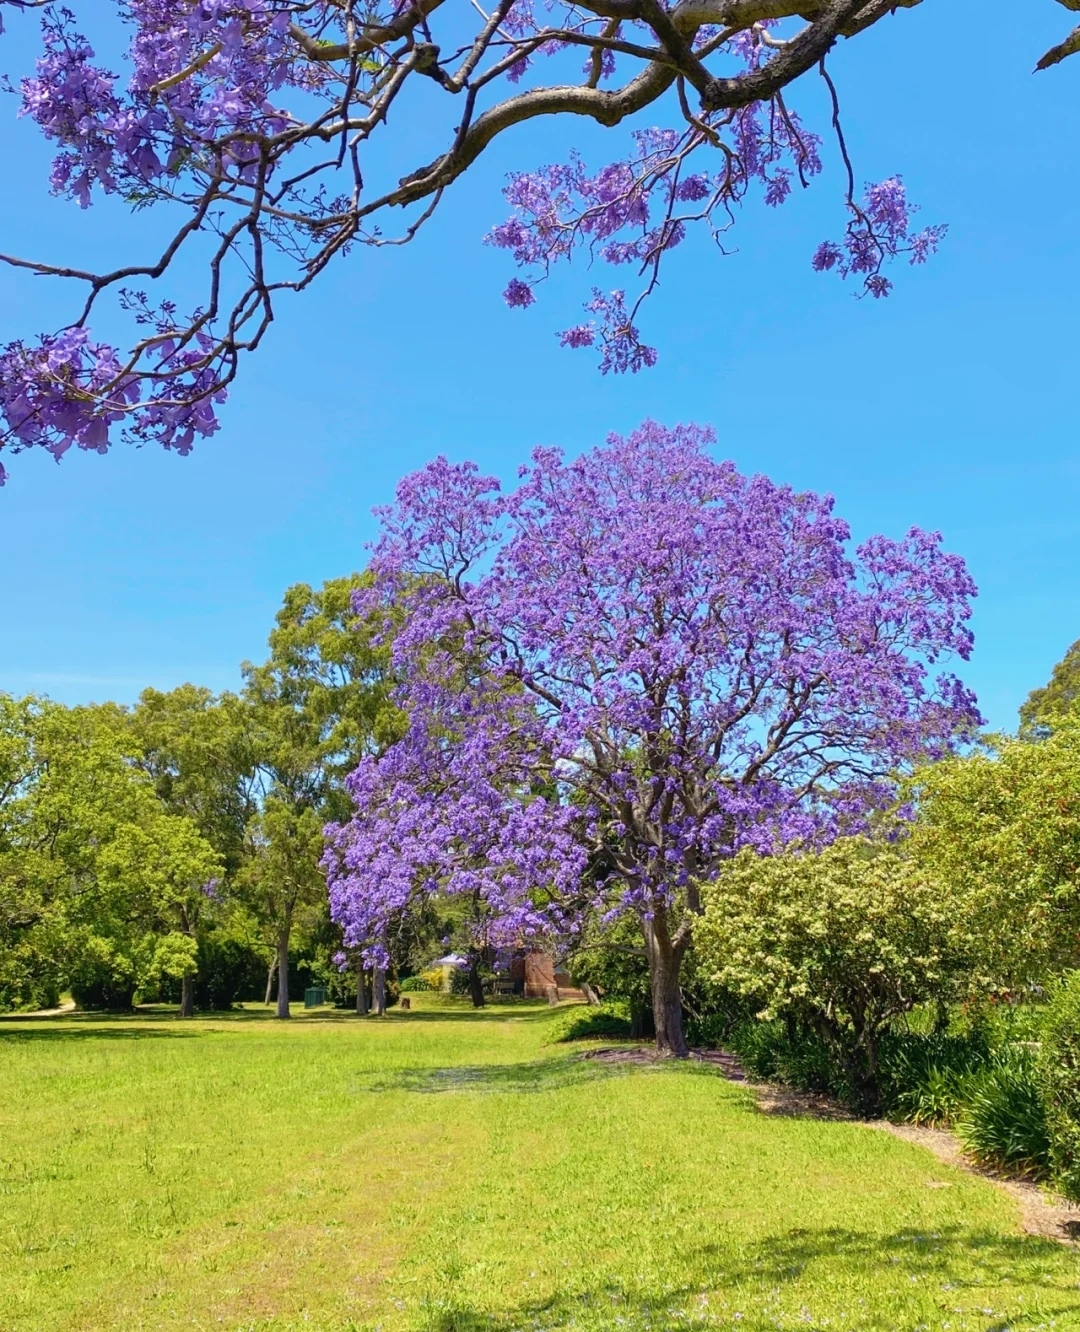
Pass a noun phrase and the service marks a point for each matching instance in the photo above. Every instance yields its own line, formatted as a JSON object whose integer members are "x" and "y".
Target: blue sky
{"x": 951, "y": 406}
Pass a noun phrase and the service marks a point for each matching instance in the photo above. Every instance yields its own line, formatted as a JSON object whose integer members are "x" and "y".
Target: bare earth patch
{"x": 1041, "y": 1212}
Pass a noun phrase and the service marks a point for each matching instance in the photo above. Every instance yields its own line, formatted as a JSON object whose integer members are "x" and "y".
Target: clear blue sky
{"x": 953, "y": 405}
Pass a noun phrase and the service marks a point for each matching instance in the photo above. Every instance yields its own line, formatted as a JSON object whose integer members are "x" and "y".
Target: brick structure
{"x": 540, "y": 978}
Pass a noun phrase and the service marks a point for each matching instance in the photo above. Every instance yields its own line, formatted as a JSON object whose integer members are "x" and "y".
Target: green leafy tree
{"x": 999, "y": 830}
{"x": 319, "y": 702}
{"x": 94, "y": 869}
{"x": 1057, "y": 700}
{"x": 201, "y": 753}
{"x": 31, "y": 921}
{"x": 199, "y": 750}
{"x": 164, "y": 860}
{"x": 283, "y": 878}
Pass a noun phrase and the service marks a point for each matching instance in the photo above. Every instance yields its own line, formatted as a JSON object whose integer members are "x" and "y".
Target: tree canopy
{"x": 1056, "y": 701}
{"x": 623, "y": 671}
{"x": 269, "y": 130}
{"x": 1000, "y": 828}
{"x": 99, "y": 884}
{"x": 178, "y": 843}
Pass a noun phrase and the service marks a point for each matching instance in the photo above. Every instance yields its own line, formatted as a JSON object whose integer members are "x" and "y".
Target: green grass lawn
{"x": 444, "y": 1171}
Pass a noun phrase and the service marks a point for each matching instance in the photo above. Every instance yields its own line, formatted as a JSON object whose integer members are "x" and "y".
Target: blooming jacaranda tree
{"x": 257, "y": 125}
{"x": 625, "y": 670}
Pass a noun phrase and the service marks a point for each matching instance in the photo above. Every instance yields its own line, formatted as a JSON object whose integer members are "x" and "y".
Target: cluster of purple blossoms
{"x": 620, "y": 340}
{"x": 635, "y": 211}
{"x": 879, "y": 230}
{"x": 68, "y": 390}
{"x": 233, "y": 54}
{"x": 52, "y": 393}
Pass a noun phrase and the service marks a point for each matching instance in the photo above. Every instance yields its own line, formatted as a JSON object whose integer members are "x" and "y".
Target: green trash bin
{"x": 315, "y": 996}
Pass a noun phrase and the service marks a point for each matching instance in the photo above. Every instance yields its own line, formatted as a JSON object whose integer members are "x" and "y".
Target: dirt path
{"x": 69, "y": 1007}
{"x": 1041, "y": 1212}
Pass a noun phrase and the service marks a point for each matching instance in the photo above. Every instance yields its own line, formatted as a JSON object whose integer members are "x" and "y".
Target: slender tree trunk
{"x": 591, "y": 997}
{"x": 378, "y": 991}
{"x": 361, "y": 990}
{"x": 664, "y": 963}
{"x": 476, "y": 987}
{"x": 187, "y": 997}
{"x": 869, "y": 1074}
{"x": 283, "y": 973}
{"x": 271, "y": 972}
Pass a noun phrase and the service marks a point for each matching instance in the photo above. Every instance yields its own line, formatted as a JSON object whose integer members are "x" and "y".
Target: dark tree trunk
{"x": 476, "y": 988}
{"x": 591, "y": 997}
{"x": 271, "y": 972}
{"x": 378, "y": 991}
{"x": 187, "y": 997}
{"x": 361, "y": 990}
{"x": 868, "y": 1072}
{"x": 283, "y": 973}
{"x": 665, "y": 959}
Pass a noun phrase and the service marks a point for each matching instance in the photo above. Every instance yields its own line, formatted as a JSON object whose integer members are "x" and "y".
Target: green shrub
{"x": 414, "y": 985}
{"x": 610, "y": 958}
{"x": 776, "y": 1051}
{"x": 713, "y": 1030}
{"x": 925, "y": 1075}
{"x": 839, "y": 943}
{"x": 1003, "y": 1121}
{"x": 937, "y": 1098}
{"x": 30, "y": 993}
{"x": 229, "y": 970}
{"x": 103, "y": 977}
{"x": 607, "y": 1021}
{"x": 103, "y": 992}
{"x": 459, "y": 980}
{"x": 1059, "y": 1081}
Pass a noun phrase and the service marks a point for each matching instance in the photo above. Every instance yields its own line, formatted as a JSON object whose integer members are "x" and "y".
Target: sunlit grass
{"x": 442, "y": 1171}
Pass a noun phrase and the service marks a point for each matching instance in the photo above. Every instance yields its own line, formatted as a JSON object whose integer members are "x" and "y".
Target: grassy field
{"x": 443, "y": 1171}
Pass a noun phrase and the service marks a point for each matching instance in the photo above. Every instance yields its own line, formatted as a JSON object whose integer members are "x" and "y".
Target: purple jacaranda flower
{"x": 518, "y": 294}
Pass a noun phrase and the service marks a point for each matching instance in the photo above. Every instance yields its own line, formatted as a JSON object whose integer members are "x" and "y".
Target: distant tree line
{"x": 171, "y": 850}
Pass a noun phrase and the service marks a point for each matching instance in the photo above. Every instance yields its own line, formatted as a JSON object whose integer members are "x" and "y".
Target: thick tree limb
{"x": 793, "y": 60}
{"x": 1068, "y": 47}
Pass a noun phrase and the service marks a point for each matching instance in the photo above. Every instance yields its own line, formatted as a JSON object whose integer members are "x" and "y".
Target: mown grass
{"x": 440, "y": 1171}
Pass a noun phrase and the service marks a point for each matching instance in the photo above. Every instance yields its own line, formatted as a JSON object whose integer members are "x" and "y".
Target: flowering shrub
{"x": 843, "y": 941}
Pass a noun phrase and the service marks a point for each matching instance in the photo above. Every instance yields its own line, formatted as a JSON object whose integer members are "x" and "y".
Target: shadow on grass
{"x": 538, "y": 1076}
{"x": 522, "y": 1012}
{"x": 957, "y": 1264}
{"x": 138, "y": 1024}
{"x": 25, "y": 1035}
{"x": 163, "y": 1020}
